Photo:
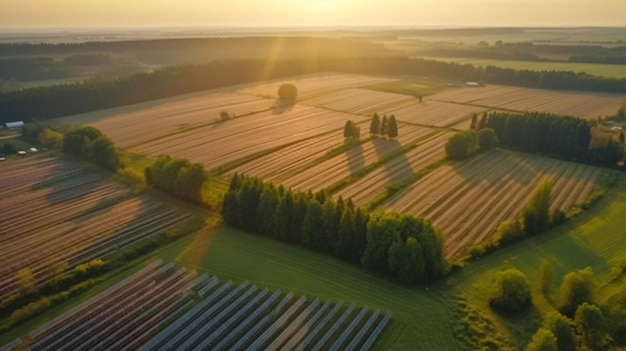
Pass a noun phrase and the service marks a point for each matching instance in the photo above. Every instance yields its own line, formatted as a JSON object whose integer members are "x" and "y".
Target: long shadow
{"x": 515, "y": 168}
{"x": 356, "y": 160}
{"x": 282, "y": 106}
{"x": 384, "y": 147}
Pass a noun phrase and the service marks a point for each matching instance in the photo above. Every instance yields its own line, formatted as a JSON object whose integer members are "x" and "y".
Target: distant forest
{"x": 62, "y": 100}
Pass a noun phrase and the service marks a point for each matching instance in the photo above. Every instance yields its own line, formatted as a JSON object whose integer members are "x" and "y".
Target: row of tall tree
{"x": 55, "y": 101}
{"x": 561, "y": 136}
{"x": 177, "y": 177}
{"x": 398, "y": 245}
{"x": 385, "y": 127}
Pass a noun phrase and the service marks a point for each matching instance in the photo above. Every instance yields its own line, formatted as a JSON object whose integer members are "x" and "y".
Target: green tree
{"x": 576, "y": 289}
{"x": 461, "y": 146}
{"x": 380, "y": 235}
{"x": 267, "y": 219}
{"x": 105, "y": 154}
{"x": 9, "y": 148}
{"x": 487, "y": 139}
{"x": 384, "y": 126}
{"x": 536, "y": 211}
{"x": 284, "y": 229}
{"x": 392, "y": 128}
{"x": 330, "y": 226}
{"x": 406, "y": 260}
{"x": 508, "y": 232}
{"x": 621, "y": 138}
{"x": 483, "y": 122}
{"x": 230, "y": 209}
{"x": 312, "y": 235}
{"x": 474, "y": 122}
{"x": 543, "y": 340}
{"x": 346, "y": 232}
{"x": 351, "y": 130}
{"x": 375, "y": 125}
{"x": 288, "y": 92}
{"x": 561, "y": 327}
{"x": 511, "y": 292}
{"x": 592, "y": 326}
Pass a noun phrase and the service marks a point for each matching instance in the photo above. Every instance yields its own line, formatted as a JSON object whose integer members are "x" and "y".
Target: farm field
{"x": 434, "y": 113}
{"x": 151, "y": 310}
{"x": 219, "y": 144}
{"x": 579, "y": 104}
{"x": 133, "y": 125}
{"x": 326, "y": 173}
{"x": 397, "y": 170}
{"x": 55, "y": 212}
{"x": 611, "y": 71}
{"x": 359, "y": 101}
{"x": 467, "y": 200}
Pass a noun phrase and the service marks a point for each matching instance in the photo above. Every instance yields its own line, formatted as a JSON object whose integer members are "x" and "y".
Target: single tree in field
{"x": 288, "y": 92}
{"x": 473, "y": 123}
{"x": 392, "y": 127}
{"x": 351, "y": 130}
{"x": 375, "y": 125}
{"x": 384, "y": 126}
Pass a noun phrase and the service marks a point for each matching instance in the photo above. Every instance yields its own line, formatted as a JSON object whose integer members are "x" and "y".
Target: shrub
{"x": 561, "y": 327}
{"x": 592, "y": 326}
{"x": 577, "y": 288}
{"x": 508, "y": 232}
{"x": 462, "y": 145}
{"x": 511, "y": 293}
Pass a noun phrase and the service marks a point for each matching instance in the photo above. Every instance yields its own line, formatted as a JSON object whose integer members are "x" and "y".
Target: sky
{"x": 21, "y": 14}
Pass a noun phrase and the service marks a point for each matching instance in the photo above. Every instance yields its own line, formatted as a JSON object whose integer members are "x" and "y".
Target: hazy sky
{"x": 116, "y": 13}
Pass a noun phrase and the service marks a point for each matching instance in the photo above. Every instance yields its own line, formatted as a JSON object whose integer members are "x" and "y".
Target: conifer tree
{"x": 375, "y": 125}
{"x": 392, "y": 128}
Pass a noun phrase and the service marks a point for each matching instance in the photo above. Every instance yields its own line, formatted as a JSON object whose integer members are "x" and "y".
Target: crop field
{"x": 152, "y": 310}
{"x": 579, "y": 104}
{"x": 220, "y": 144}
{"x": 54, "y": 212}
{"x": 354, "y": 159}
{"x": 434, "y": 113}
{"x": 395, "y": 171}
{"x": 359, "y": 101}
{"x": 136, "y": 124}
{"x": 468, "y": 200}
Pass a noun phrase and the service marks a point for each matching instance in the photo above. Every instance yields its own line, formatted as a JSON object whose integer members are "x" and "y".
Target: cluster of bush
{"x": 92, "y": 145}
{"x": 406, "y": 247}
{"x": 578, "y": 323}
{"x": 177, "y": 177}
{"x": 466, "y": 144}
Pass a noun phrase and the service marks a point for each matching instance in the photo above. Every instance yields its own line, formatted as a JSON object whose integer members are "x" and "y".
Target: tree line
{"x": 62, "y": 100}
{"x": 565, "y": 137}
{"x": 385, "y": 127}
{"x": 177, "y": 177}
{"x": 402, "y": 246}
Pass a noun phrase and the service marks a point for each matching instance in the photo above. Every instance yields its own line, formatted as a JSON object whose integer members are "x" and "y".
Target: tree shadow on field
{"x": 384, "y": 147}
{"x": 495, "y": 167}
{"x": 356, "y": 160}
{"x": 282, "y": 106}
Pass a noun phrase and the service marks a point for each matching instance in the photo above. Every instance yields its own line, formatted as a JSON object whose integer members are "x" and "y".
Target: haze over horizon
{"x": 31, "y": 14}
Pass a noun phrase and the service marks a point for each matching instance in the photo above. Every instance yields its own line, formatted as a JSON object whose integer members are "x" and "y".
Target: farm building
{"x": 14, "y": 125}
{"x": 472, "y": 84}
